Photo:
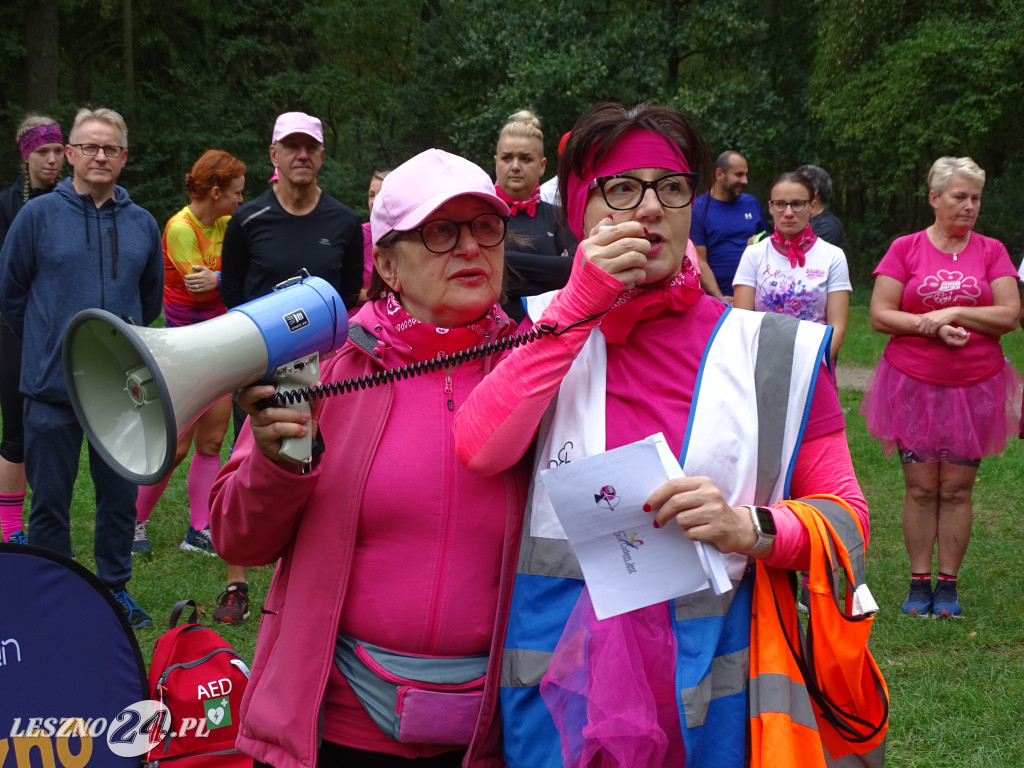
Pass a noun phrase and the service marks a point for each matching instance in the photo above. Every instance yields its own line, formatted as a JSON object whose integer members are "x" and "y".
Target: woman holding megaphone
{"x": 379, "y": 632}
{"x": 192, "y": 241}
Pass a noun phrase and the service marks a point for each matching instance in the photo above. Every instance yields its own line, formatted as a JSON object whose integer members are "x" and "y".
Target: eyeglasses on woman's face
{"x": 442, "y": 235}
{"x": 780, "y": 206}
{"x": 622, "y": 192}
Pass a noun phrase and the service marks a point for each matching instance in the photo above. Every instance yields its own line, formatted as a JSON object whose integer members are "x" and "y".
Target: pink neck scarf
{"x": 515, "y": 206}
{"x": 426, "y": 341}
{"x": 796, "y": 248}
{"x": 642, "y": 302}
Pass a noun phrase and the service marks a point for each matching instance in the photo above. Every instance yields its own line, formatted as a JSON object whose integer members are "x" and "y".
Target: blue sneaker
{"x": 136, "y": 616}
{"x": 919, "y": 601}
{"x": 18, "y": 537}
{"x": 198, "y": 541}
{"x": 946, "y": 605}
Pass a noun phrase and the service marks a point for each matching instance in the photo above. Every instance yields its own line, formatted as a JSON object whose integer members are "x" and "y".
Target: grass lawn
{"x": 955, "y": 685}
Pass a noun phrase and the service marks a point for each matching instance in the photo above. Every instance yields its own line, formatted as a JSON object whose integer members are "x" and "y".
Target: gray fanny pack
{"x": 415, "y": 699}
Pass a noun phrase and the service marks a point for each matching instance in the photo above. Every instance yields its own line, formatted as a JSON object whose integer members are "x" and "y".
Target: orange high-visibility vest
{"x": 817, "y": 699}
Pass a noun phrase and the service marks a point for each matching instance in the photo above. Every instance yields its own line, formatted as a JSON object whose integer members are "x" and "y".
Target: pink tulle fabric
{"x": 940, "y": 423}
{"x": 609, "y": 688}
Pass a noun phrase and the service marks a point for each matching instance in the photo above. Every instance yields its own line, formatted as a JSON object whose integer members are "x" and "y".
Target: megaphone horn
{"x": 136, "y": 390}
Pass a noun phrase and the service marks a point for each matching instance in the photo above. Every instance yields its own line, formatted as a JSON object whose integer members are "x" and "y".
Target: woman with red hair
{"x": 192, "y": 242}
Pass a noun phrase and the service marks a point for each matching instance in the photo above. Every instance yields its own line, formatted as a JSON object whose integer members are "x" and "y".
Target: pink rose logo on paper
{"x": 607, "y": 498}
{"x": 949, "y": 287}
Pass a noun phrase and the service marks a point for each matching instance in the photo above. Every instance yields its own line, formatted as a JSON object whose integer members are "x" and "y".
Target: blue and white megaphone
{"x": 136, "y": 390}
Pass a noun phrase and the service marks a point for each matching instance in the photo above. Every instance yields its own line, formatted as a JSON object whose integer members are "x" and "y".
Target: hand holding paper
{"x": 627, "y": 563}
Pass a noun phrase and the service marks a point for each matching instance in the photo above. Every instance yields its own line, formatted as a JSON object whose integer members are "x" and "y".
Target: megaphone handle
{"x": 296, "y": 375}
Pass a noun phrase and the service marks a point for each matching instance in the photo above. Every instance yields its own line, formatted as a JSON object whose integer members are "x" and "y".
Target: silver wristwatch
{"x": 764, "y": 527}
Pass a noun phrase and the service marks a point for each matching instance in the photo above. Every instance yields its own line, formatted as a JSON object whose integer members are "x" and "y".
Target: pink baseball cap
{"x": 421, "y": 185}
{"x": 297, "y": 122}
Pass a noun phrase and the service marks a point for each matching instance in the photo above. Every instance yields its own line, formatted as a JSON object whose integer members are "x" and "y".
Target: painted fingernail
{"x": 647, "y": 507}
{"x": 646, "y": 232}
{"x": 657, "y": 524}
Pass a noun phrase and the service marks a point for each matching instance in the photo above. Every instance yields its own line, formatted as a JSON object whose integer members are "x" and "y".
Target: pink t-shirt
{"x": 933, "y": 280}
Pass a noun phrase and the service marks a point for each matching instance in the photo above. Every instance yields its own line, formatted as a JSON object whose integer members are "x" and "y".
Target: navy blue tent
{"x": 66, "y": 652}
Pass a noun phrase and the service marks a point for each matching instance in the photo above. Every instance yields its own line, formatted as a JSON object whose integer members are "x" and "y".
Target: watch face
{"x": 766, "y": 521}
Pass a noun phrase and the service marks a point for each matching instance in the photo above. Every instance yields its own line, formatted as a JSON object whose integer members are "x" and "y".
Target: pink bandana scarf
{"x": 638, "y": 303}
{"x": 515, "y": 206}
{"x": 426, "y": 341}
{"x": 796, "y": 248}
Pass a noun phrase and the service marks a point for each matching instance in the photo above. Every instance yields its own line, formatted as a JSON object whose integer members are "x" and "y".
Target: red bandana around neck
{"x": 429, "y": 341}
{"x": 795, "y": 248}
{"x": 515, "y": 206}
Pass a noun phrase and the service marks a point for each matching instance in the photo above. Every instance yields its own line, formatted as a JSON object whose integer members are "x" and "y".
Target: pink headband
{"x": 636, "y": 149}
{"x": 36, "y": 137}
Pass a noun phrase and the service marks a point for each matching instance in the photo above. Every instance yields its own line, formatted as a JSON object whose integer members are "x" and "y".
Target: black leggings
{"x": 333, "y": 755}
{"x": 12, "y": 447}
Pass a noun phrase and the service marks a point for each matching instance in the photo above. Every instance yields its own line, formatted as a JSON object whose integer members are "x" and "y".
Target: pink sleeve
{"x": 255, "y": 505}
{"x": 822, "y": 466}
{"x": 495, "y": 426}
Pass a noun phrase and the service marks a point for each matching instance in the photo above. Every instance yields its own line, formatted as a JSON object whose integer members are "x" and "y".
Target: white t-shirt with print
{"x": 801, "y": 292}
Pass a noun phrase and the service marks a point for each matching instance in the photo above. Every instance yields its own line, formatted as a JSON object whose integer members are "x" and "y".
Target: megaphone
{"x": 136, "y": 390}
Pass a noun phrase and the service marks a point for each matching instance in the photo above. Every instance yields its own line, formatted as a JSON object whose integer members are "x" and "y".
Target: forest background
{"x": 874, "y": 91}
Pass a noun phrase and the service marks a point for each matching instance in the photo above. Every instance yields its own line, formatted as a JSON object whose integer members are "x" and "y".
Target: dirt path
{"x": 852, "y": 377}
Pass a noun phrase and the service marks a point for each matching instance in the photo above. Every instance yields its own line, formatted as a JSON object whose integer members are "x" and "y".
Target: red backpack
{"x": 201, "y": 679}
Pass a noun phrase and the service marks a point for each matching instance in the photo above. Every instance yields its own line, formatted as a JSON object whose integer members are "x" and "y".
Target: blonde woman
{"x": 42, "y": 151}
{"x": 538, "y": 261}
{"x": 943, "y": 394}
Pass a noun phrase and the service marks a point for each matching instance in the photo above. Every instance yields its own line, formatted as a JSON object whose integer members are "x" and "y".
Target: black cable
{"x": 292, "y": 396}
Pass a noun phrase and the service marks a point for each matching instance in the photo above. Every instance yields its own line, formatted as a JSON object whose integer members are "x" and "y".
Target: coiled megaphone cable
{"x": 291, "y": 396}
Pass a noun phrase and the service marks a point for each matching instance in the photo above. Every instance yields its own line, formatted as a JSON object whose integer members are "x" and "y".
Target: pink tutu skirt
{"x": 610, "y": 689}
{"x": 941, "y": 423}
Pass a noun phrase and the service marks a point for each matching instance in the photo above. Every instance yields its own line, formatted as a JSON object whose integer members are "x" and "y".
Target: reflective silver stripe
{"x": 523, "y": 669}
{"x": 704, "y": 604}
{"x": 548, "y": 557}
{"x": 846, "y": 528}
{"x": 545, "y": 557}
{"x": 728, "y": 675}
{"x": 772, "y": 692}
{"x": 772, "y": 372}
{"x": 873, "y": 759}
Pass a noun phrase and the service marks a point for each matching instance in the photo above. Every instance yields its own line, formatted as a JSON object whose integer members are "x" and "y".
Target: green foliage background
{"x": 871, "y": 90}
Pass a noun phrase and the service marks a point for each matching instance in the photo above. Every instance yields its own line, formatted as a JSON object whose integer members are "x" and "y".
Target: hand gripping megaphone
{"x": 135, "y": 390}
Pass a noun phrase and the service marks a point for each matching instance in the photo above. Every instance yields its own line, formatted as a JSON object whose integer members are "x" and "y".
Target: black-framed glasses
{"x": 623, "y": 192}
{"x": 441, "y": 235}
{"x": 779, "y": 206}
{"x": 91, "y": 150}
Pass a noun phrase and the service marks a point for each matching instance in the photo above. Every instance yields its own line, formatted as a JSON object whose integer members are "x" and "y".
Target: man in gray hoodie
{"x": 87, "y": 245}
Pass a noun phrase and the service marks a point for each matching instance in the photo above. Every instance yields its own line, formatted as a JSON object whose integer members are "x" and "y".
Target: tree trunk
{"x": 129, "y": 54}
{"x": 42, "y": 49}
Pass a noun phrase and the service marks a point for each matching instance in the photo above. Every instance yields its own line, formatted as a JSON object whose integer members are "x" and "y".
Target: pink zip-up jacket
{"x": 261, "y": 513}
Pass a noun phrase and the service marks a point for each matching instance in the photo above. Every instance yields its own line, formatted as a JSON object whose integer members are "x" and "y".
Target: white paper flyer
{"x": 627, "y": 562}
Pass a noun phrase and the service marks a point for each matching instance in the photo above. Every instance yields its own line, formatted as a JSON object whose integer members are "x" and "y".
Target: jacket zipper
{"x": 442, "y": 569}
{"x": 99, "y": 253}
